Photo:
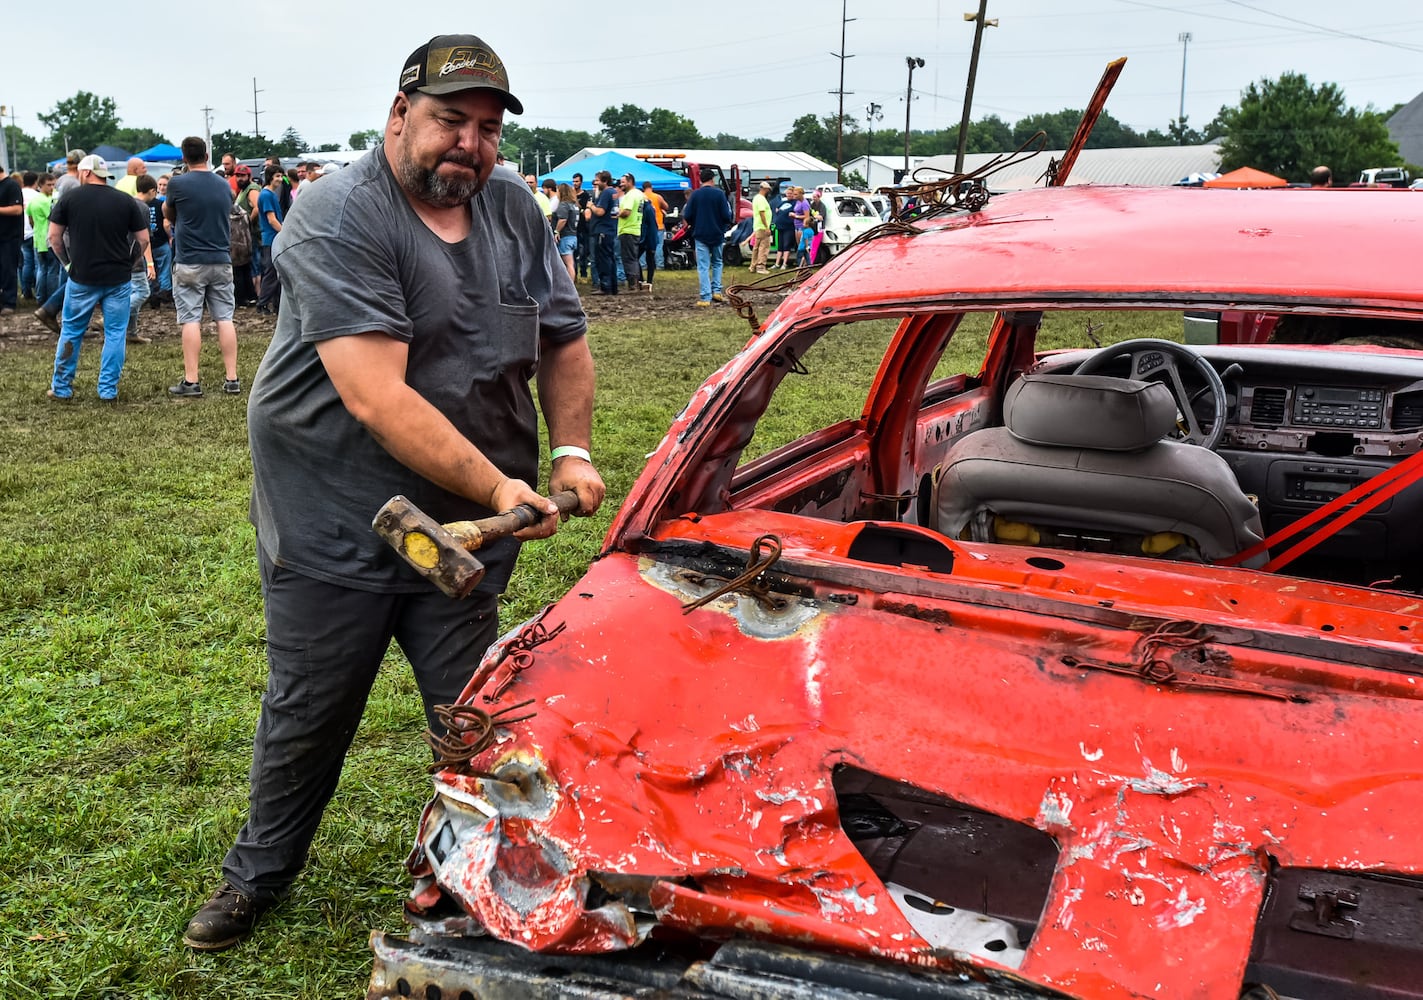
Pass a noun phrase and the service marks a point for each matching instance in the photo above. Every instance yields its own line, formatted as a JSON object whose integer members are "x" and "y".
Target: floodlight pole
{"x": 913, "y": 62}
{"x": 1185, "y": 39}
{"x": 980, "y": 22}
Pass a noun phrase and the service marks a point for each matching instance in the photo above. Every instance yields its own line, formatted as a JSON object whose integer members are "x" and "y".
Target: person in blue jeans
{"x": 107, "y": 233}
{"x": 28, "y": 264}
{"x": 708, "y": 213}
{"x": 603, "y": 220}
{"x": 158, "y": 243}
{"x": 269, "y": 217}
{"x": 47, "y": 269}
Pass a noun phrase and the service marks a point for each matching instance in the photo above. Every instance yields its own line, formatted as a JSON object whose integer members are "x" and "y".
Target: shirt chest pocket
{"x": 482, "y": 344}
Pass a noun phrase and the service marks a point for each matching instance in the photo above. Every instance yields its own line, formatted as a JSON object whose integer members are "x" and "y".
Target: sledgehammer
{"x": 443, "y": 553}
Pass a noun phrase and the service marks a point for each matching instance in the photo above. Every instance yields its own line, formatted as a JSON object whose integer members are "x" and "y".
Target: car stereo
{"x": 1336, "y": 406}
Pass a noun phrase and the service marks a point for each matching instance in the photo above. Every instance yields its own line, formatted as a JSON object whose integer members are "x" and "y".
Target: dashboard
{"x": 1304, "y": 426}
{"x": 1305, "y": 399}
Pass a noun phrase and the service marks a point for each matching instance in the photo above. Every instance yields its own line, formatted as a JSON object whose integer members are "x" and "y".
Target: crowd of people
{"x": 91, "y": 251}
{"x": 614, "y": 234}
{"x": 611, "y": 235}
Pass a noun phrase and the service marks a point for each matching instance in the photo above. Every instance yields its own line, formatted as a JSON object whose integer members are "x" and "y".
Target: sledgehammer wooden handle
{"x": 474, "y": 535}
{"x": 443, "y": 553}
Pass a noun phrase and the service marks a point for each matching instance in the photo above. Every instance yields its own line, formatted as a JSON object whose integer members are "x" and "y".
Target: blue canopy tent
{"x": 162, "y": 153}
{"x": 617, "y": 164}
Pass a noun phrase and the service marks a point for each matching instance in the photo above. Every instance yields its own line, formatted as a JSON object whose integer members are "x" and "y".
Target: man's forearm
{"x": 566, "y": 383}
{"x": 140, "y": 247}
{"x": 56, "y": 243}
{"x": 369, "y": 373}
{"x": 422, "y": 439}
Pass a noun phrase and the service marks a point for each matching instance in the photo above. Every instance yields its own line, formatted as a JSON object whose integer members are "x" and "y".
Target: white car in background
{"x": 848, "y": 214}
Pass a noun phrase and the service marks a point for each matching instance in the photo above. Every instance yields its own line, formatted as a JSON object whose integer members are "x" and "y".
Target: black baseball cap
{"x": 447, "y": 64}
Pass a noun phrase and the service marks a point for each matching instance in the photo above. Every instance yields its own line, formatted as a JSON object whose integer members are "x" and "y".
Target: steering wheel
{"x": 1161, "y": 361}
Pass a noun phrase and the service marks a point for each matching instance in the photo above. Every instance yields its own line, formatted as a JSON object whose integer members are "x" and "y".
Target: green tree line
{"x": 1285, "y": 126}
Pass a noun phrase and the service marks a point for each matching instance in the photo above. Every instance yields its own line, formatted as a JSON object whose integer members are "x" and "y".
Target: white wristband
{"x": 569, "y": 451}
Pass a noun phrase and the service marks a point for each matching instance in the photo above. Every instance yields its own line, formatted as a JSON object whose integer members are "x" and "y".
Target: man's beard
{"x": 426, "y": 184}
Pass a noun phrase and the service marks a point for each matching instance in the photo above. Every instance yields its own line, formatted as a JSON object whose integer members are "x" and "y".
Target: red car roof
{"x": 1149, "y": 244}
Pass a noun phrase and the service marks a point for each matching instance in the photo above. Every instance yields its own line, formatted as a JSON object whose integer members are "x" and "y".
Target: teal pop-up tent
{"x": 617, "y": 164}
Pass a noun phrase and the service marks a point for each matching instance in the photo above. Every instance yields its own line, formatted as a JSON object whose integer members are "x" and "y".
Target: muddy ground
{"x": 675, "y": 297}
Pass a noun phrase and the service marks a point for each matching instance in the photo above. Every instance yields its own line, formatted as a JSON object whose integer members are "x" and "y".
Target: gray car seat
{"x": 1081, "y": 461}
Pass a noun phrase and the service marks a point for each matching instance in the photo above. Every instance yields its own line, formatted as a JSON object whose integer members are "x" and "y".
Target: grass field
{"x": 131, "y": 654}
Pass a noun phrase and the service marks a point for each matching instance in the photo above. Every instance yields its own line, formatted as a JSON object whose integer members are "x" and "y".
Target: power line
{"x": 1311, "y": 26}
{"x": 1325, "y": 28}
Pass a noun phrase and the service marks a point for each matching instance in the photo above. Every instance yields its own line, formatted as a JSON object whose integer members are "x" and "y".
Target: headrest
{"x": 1089, "y": 411}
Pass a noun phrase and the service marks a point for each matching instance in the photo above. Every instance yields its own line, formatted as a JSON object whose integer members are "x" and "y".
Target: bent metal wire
{"x": 917, "y": 202}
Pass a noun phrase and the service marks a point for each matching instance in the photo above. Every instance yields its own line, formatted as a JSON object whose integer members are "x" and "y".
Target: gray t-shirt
{"x": 353, "y": 257}
{"x": 201, "y": 202}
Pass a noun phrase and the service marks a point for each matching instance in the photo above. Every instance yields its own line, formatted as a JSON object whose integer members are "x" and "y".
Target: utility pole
{"x": 256, "y": 124}
{"x": 980, "y": 22}
{"x": 914, "y": 62}
{"x": 207, "y": 129}
{"x": 872, "y": 115}
{"x": 4, "y": 145}
{"x": 841, "y": 92}
{"x": 1185, "y": 39}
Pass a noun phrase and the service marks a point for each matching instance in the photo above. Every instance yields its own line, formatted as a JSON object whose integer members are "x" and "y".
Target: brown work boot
{"x": 48, "y": 320}
{"x": 224, "y": 920}
{"x": 132, "y": 335}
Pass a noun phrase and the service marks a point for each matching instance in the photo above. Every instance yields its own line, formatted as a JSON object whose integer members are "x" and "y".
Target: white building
{"x": 1139, "y": 165}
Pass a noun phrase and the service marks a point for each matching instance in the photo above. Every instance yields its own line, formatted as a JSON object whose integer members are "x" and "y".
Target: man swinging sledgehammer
{"x": 421, "y": 292}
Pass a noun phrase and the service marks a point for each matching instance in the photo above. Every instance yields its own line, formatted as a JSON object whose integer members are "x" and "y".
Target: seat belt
{"x": 1361, "y": 500}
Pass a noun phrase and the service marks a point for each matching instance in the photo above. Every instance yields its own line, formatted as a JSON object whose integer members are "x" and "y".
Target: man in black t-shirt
{"x": 98, "y": 233}
{"x": 584, "y": 250}
{"x": 12, "y": 233}
{"x": 162, "y": 279}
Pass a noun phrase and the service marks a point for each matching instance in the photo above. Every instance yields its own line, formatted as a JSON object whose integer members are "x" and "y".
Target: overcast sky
{"x": 329, "y": 68}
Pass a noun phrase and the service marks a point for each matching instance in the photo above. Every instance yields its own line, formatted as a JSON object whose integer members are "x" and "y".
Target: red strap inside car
{"x": 1359, "y": 501}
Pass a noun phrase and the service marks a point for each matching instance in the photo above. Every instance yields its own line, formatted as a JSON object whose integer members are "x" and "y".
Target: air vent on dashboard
{"x": 1407, "y": 411}
{"x": 1267, "y": 407}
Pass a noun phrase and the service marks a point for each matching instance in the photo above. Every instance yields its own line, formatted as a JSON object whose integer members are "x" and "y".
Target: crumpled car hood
{"x": 678, "y": 769}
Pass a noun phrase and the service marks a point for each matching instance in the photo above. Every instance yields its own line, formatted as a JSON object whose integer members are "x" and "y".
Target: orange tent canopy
{"x": 1247, "y": 177}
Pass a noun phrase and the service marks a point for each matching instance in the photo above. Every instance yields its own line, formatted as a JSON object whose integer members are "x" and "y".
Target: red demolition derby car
{"x": 1068, "y": 659}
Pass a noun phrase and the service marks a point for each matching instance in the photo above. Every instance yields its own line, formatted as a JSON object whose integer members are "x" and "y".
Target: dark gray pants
{"x": 270, "y": 297}
{"x": 632, "y": 270}
{"x": 324, "y": 646}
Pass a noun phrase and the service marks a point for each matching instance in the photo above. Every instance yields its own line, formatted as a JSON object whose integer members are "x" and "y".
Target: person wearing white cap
{"x": 99, "y": 233}
{"x": 422, "y": 291}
